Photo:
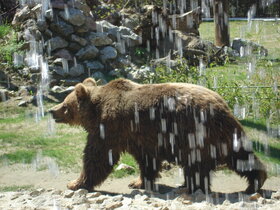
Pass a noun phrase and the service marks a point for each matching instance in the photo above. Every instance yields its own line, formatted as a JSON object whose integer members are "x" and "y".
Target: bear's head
{"x": 68, "y": 111}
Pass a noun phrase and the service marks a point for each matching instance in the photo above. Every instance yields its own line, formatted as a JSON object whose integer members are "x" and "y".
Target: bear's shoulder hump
{"x": 122, "y": 84}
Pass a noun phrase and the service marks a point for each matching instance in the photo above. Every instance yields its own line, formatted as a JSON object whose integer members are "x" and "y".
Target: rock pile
{"x": 81, "y": 199}
{"x": 75, "y": 46}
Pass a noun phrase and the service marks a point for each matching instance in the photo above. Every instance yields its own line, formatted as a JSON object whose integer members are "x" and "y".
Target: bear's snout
{"x": 57, "y": 113}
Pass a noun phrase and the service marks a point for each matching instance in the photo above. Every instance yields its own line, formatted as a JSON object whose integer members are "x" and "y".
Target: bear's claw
{"x": 74, "y": 185}
{"x": 136, "y": 184}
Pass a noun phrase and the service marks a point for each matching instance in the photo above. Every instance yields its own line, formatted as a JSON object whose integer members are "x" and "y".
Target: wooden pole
{"x": 222, "y": 37}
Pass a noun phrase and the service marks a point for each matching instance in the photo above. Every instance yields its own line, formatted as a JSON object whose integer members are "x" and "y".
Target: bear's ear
{"x": 81, "y": 91}
{"x": 89, "y": 82}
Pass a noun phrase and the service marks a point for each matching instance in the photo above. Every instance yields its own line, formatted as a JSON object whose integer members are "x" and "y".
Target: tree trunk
{"x": 221, "y": 23}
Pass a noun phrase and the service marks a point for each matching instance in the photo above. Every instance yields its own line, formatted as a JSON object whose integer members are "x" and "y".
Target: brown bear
{"x": 185, "y": 124}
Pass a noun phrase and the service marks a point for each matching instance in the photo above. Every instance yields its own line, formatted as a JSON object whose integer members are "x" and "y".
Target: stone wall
{"x": 75, "y": 46}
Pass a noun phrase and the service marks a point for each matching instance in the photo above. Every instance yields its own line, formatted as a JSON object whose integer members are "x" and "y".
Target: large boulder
{"x": 246, "y": 47}
{"x": 73, "y": 16}
{"x": 62, "y": 28}
{"x": 87, "y": 53}
{"x": 57, "y": 43}
{"x": 100, "y": 39}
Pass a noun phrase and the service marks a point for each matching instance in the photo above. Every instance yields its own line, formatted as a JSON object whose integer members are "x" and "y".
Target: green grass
{"x": 19, "y": 156}
{"x": 232, "y": 76}
{"x": 4, "y": 30}
{"x": 22, "y": 139}
{"x": 14, "y": 188}
{"x": 8, "y": 45}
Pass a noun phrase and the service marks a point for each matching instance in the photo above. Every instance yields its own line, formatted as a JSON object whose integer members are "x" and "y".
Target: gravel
{"x": 82, "y": 199}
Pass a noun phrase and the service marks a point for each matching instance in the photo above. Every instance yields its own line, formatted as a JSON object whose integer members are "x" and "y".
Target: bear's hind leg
{"x": 149, "y": 170}
{"x": 197, "y": 177}
{"x": 246, "y": 164}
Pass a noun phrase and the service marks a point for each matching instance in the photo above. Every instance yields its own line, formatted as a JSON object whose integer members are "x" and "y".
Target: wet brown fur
{"x": 123, "y": 108}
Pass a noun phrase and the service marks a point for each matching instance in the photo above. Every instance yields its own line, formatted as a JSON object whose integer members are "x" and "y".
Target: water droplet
{"x": 163, "y": 125}
{"x": 110, "y": 154}
{"x": 213, "y": 151}
{"x": 102, "y": 131}
{"x": 65, "y": 65}
{"x": 236, "y": 143}
{"x": 66, "y": 12}
{"x": 154, "y": 164}
{"x": 152, "y": 113}
{"x": 172, "y": 141}
{"x": 191, "y": 139}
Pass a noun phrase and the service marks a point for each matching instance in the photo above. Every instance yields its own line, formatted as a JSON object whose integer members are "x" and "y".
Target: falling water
{"x": 110, "y": 155}
{"x": 66, "y": 12}
{"x": 65, "y": 65}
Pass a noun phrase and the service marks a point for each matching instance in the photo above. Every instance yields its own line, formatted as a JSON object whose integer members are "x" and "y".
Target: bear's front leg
{"x": 149, "y": 169}
{"x": 77, "y": 183}
{"x": 98, "y": 162}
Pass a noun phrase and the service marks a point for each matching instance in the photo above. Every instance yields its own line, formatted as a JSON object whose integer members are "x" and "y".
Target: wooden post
{"x": 221, "y": 23}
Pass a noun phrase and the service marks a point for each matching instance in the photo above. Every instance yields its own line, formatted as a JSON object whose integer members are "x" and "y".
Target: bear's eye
{"x": 65, "y": 108}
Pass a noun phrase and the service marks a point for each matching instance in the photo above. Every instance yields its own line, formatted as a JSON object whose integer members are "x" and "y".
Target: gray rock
{"x": 36, "y": 192}
{"x": 99, "y": 76}
{"x": 49, "y": 14}
{"x": 93, "y": 195}
{"x": 108, "y": 53}
{"x": 22, "y": 15}
{"x": 79, "y": 40}
{"x": 81, "y": 29}
{"x": 69, "y": 89}
{"x": 100, "y": 39}
{"x": 23, "y": 91}
{"x": 125, "y": 167}
{"x": 74, "y": 47}
{"x": 80, "y": 5}
{"x": 77, "y": 70}
{"x": 100, "y": 199}
{"x": 56, "y": 192}
{"x": 48, "y": 33}
{"x": 75, "y": 16}
{"x": 87, "y": 53}
{"x": 57, "y": 43}
{"x": 58, "y": 89}
{"x": 78, "y": 200}
{"x": 81, "y": 192}
{"x": 22, "y": 104}
{"x": 125, "y": 34}
{"x": 130, "y": 23}
{"x": 90, "y": 24}
{"x": 37, "y": 8}
{"x": 62, "y": 28}
{"x": 63, "y": 53}
{"x": 115, "y": 72}
{"x": 42, "y": 25}
{"x": 59, "y": 70}
{"x": 3, "y": 95}
{"x": 105, "y": 26}
{"x": 113, "y": 205}
{"x": 138, "y": 74}
{"x": 276, "y": 195}
{"x": 58, "y": 4}
{"x": 58, "y": 61}
{"x": 246, "y": 47}
{"x": 94, "y": 65}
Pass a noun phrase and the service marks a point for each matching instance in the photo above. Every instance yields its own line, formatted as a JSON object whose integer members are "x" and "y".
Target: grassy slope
{"x": 268, "y": 35}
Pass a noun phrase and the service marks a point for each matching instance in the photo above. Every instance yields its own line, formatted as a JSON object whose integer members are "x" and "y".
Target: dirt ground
{"x": 23, "y": 175}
